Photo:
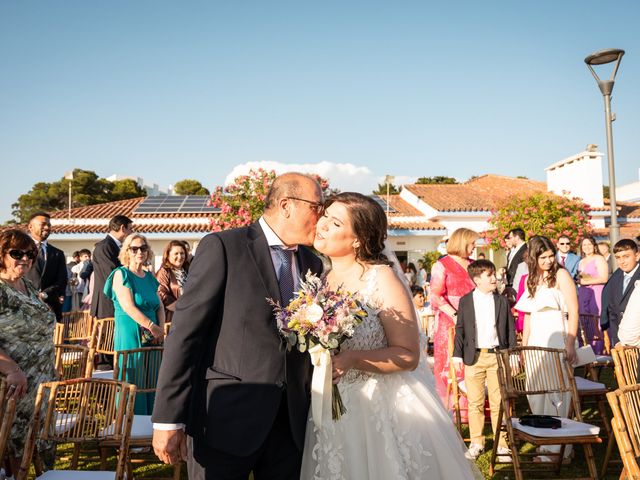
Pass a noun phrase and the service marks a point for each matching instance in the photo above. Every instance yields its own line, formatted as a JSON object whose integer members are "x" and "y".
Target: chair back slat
{"x": 79, "y": 411}
{"x": 625, "y": 360}
{"x": 76, "y": 327}
{"x": 71, "y": 361}
{"x": 625, "y": 406}
{"x": 7, "y": 415}
{"x": 140, "y": 367}
{"x": 102, "y": 337}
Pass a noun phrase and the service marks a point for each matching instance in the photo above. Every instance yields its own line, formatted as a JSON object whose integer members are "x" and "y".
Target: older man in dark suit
{"x": 225, "y": 375}
{"x": 49, "y": 271}
{"x": 105, "y": 260}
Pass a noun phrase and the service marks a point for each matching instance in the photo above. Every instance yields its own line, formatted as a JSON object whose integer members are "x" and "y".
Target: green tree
{"x": 86, "y": 187}
{"x": 382, "y": 189}
{"x": 126, "y": 188}
{"x": 605, "y": 191}
{"x": 540, "y": 214}
{"x": 439, "y": 180}
{"x": 189, "y": 187}
{"x": 429, "y": 259}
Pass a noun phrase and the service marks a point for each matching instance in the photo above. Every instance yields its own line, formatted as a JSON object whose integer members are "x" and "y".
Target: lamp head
{"x": 601, "y": 57}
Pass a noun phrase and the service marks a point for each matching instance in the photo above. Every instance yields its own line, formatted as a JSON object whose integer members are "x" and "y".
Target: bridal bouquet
{"x": 319, "y": 319}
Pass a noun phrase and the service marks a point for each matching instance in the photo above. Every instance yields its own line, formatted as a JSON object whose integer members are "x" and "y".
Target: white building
{"x": 629, "y": 192}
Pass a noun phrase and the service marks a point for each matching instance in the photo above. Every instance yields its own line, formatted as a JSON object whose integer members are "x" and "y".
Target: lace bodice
{"x": 369, "y": 335}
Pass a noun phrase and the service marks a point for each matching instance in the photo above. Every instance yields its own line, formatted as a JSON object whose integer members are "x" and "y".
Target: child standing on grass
{"x": 484, "y": 325}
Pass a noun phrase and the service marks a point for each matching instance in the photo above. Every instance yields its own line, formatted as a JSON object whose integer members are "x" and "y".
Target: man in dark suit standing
{"x": 225, "y": 376}
{"x": 105, "y": 260}
{"x": 618, "y": 289}
{"x": 516, "y": 256}
{"x": 49, "y": 272}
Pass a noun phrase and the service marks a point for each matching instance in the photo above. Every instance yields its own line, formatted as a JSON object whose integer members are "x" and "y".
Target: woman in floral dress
{"x": 450, "y": 282}
{"x": 26, "y": 333}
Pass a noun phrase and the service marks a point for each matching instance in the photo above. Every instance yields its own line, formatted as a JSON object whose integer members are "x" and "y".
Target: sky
{"x": 355, "y": 90}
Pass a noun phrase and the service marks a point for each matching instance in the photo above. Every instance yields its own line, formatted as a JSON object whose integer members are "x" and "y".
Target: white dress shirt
{"x": 629, "y": 329}
{"x": 273, "y": 240}
{"x": 485, "y": 309}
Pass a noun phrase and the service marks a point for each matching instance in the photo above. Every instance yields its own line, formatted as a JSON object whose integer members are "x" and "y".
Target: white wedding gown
{"x": 395, "y": 426}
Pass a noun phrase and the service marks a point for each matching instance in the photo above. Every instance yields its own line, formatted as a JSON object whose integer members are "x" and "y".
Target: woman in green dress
{"x": 139, "y": 315}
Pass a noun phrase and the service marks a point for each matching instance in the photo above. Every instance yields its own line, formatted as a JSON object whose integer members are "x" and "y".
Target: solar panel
{"x": 380, "y": 201}
{"x": 176, "y": 204}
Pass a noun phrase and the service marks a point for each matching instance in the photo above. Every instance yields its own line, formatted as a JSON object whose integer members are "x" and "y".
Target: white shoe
{"x": 504, "y": 455}
{"x": 475, "y": 450}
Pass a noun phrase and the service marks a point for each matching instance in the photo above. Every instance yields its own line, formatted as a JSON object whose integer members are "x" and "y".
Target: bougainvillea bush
{"x": 242, "y": 202}
{"x": 540, "y": 214}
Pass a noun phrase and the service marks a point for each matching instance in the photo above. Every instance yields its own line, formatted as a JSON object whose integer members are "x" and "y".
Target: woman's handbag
{"x": 541, "y": 421}
{"x": 584, "y": 354}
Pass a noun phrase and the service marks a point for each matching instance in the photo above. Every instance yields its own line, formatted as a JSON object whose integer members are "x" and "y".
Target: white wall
{"x": 578, "y": 176}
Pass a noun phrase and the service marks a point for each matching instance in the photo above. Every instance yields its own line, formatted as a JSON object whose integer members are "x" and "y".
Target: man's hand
{"x": 170, "y": 445}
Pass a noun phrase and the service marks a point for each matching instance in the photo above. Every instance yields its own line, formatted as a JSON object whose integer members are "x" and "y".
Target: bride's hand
{"x": 340, "y": 365}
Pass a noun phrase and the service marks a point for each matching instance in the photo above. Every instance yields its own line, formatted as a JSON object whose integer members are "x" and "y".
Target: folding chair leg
{"x": 75, "y": 457}
{"x": 496, "y": 438}
{"x": 103, "y": 458}
{"x": 591, "y": 463}
{"x": 610, "y": 443}
{"x": 560, "y": 459}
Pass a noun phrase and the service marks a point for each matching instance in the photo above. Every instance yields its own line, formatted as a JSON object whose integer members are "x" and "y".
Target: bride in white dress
{"x": 395, "y": 426}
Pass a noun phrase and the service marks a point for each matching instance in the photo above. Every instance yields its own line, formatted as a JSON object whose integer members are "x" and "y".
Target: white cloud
{"x": 344, "y": 176}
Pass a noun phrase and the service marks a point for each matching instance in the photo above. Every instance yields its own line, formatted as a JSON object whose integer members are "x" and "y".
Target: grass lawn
{"x": 147, "y": 466}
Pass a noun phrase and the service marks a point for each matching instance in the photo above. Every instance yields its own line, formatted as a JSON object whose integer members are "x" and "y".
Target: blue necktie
{"x": 285, "y": 275}
{"x": 625, "y": 283}
{"x": 42, "y": 257}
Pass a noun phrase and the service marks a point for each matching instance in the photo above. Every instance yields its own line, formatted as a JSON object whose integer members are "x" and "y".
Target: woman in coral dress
{"x": 450, "y": 282}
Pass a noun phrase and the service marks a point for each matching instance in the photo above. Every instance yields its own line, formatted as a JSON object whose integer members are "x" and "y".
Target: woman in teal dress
{"x": 139, "y": 315}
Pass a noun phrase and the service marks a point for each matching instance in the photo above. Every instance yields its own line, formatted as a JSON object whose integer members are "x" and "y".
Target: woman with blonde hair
{"x": 450, "y": 282}
{"x": 139, "y": 315}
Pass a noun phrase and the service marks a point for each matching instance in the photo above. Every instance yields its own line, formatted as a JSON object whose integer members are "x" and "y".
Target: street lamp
{"x": 69, "y": 176}
{"x": 388, "y": 179}
{"x": 603, "y": 57}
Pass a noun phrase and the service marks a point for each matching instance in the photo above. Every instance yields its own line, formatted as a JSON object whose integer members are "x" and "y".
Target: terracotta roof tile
{"x": 426, "y": 225}
{"x": 479, "y": 194}
{"x": 102, "y": 210}
{"x": 401, "y": 207}
{"x": 628, "y": 230}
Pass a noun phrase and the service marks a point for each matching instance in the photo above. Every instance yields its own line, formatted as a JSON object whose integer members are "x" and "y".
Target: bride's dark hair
{"x": 369, "y": 224}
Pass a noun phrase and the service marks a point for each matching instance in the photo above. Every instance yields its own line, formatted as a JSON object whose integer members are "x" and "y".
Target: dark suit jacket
{"x": 52, "y": 279}
{"x": 224, "y": 367}
{"x": 513, "y": 265}
{"x": 104, "y": 260}
{"x": 614, "y": 303}
{"x": 466, "y": 334}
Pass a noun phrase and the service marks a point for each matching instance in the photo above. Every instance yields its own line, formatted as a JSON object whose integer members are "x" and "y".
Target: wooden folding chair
{"x": 456, "y": 388}
{"x": 7, "y": 415}
{"x": 81, "y": 412}
{"x": 101, "y": 344}
{"x": 71, "y": 361}
{"x": 74, "y": 327}
{"x": 590, "y": 333}
{"x": 527, "y": 371}
{"x": 625, "y": 405}
{"x": 625, "y": 361}
{"x": 140, "y": 367}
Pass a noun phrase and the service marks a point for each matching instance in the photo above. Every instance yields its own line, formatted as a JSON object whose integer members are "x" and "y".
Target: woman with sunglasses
{"x": 139, "y": 315}
{"x": 26, "y": 330}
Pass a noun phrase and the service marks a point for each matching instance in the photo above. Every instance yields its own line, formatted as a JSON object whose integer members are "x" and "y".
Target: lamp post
{"x": 69, "y": 176}
{"x": 603, "y": 57}
{"x": 388, "y": 179}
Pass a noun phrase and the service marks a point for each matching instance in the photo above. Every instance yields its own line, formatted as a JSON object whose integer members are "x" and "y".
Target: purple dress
{"x": 590, "y": 303}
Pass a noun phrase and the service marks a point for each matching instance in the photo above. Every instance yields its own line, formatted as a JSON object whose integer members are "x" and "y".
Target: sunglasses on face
{"x": 142, "y": 248}
{"x": 19, "y": 254}
{"x": 564, "y": 243}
